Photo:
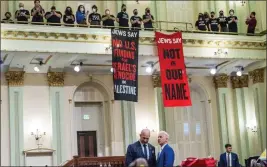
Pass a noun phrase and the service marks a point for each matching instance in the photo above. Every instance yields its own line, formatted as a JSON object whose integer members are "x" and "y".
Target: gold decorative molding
{"x": 72, "y": 37}
{"x": 156, "y": 81}
{"x": 15, "y": 78}
{"x": 70, "y": 101}
{"x": 239, "y": 82}
{"x": 221, "y": 80}
{"x": 55, "y": 78}
{"x": 257, "y": 75}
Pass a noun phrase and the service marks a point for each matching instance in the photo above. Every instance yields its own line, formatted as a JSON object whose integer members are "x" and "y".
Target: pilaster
{"x": 259, "y": 94}
{"x": 56, "y": 83}
{"x": 129, "y": 127}
{"x": 161, "y": 111}
{"x": 220, "y": 82}
{"x": 240, "y": 85}
{"x": 15, "y": 81}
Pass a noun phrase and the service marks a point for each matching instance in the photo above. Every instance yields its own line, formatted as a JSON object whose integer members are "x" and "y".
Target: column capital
{"x": 257, "y": 75}
{"x": 55, "y": 78}
{"x": 221, "y": 80}
{"x": 156, "y": 81}
{"x": 239, "y": 82}
{"x": 15, "y": 78}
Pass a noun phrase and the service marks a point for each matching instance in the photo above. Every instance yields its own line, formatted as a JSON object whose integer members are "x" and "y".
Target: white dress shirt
{"x": 147, "y": 149}
{"x": 230, "y": 159}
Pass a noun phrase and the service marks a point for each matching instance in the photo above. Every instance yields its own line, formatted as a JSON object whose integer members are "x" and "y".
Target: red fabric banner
{"x": 175, "y": 88}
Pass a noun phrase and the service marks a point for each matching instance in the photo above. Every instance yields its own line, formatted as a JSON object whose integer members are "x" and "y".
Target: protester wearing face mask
{"x": 123, "y": 17}
{"x": 22, "y": 15}
{"x": 108, "y": 19}
{"x": 201, "y": 23}
{"x": 148, "y": 19}
{"x": 136, "y": 20}
{"x": 81, "y": 15}
{"x": 252, "y": 23}
{"x": 232, "y": 21}
{"x": 8, "y": 18}
{"x": 68, "y": 17}
{"x": 213, "y": 22}
{"x": 94, "y": 18}
{"x": 207, "y": 18}
{"x": 222, "y": 22}
{"x": 53, "y": 16}
{"x": 37, "y": 13}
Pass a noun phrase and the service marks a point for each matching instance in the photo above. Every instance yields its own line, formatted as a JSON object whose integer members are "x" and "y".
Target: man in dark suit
{"x": 141, "y": 149}
{"x": 229, "y": 159}
{"x": 166, "y": 154}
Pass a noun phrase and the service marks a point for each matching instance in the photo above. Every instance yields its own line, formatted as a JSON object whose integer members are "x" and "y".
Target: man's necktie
{"x": 228, "y": 160}
{"x": 145, "y": 151}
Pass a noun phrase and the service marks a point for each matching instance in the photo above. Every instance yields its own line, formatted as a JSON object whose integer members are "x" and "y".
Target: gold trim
{"x": 221, "y": 80}
{"x": 239, "y": 82}
{"x": 257, "y": 75}
{"x": 156, "y": 81}
{"x": 55, "y": 78}
{"x": 15, "y": 78}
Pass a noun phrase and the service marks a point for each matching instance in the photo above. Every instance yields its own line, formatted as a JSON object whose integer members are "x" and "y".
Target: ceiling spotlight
{"x": 37, "y": 67}
{"x": 111, "y": 69}
{"x": 213, "y": 71}
{"x": 240, "y": 71}
{"x": 149, "y": 69}
{"x": 77, "y": 68}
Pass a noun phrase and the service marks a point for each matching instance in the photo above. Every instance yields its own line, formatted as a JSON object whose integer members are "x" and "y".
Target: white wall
{"x": 36, "y": 115}
{"x": 5, "y": 138}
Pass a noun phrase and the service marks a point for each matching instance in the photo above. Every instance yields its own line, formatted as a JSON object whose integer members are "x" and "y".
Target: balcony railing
{"x": 186, "y": 27}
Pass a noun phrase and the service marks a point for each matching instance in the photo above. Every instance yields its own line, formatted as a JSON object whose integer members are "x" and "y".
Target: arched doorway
{"x": 190, "y": 127}
{"x": 91, "y": 120}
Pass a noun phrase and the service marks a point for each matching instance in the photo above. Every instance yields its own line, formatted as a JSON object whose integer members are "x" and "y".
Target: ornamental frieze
{"x": 257, "y": 75}
{"x": 221, "y": 80}
{"x": 93, "y": 38}
{"x": 55, "y": 78}
{"x": 15, "y": 78}
{"x": 239, "y": 81}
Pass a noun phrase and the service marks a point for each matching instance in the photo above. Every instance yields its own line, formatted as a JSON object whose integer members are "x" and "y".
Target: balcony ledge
{"x": 98, "y": 35}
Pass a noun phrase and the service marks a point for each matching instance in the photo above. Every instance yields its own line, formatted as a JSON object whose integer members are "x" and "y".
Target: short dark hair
{"x": 227, "y": 145}
{"x": 123, "y": 5}
{"x": 36, "y": 1}
{"x": 8, "y": 13}
{"x": 254, "y": 13}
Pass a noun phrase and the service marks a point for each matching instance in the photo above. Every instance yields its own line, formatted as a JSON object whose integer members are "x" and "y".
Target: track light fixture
{"x": 37, "y": 67}
{"x": 77, "y": 68}
{"x": 240, "y": 70}
{"x": 213, "y": 70}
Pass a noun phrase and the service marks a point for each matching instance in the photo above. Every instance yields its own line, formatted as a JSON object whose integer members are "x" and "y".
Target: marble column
{"x": 129, "y": 127}
{"x": 240, "y": 86}
{"x": 259, "y": 94}
{"x": 15, "y": 81}
{"x": 56, "y": 83}
{"x": 220, "y": 82}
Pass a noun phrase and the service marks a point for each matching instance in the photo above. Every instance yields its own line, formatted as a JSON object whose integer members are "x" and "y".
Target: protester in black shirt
{"x": 213, "y": 22}
{"x": 108, "y": 19}
{"x": 201, "y": 23}
{"x": 222, "y": 22}
{"x": 94, "y": 18}
{"x": 148, "y": 19}
{"x": 123, "y": 17}
{"x": 136, "y": 20}
{"x": 37, "y": 12}
{"x": 232, "y": 21}
{"x": 22, "y": 15}
{"x": 207, "y": 18}
{"x": 8, "y": 18}
{"x": 68, "y": 17}
{"x": 53, "y": 16}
